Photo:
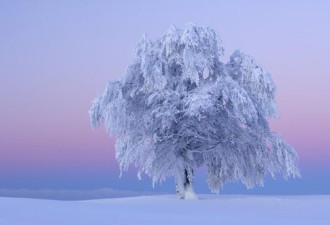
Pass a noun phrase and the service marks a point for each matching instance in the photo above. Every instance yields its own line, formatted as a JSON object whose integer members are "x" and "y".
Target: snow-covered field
{"x": 167, "y": 209}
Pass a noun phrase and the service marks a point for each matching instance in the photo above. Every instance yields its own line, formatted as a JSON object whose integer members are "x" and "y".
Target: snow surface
{"x": 167, "y": 209}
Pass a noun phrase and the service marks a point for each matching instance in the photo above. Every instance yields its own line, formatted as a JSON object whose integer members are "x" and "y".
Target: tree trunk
{"x": 184, "y": 188}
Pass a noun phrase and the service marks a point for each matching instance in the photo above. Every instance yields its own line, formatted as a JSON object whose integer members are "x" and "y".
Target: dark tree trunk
{"x": 184, "y": 188}
{"x": 186, "y": 183}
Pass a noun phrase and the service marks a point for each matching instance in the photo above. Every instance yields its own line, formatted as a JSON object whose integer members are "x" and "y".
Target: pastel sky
{"x": 55, "y": 56}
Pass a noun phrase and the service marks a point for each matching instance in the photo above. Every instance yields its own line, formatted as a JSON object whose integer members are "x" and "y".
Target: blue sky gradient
{"x": 57, "y": 55}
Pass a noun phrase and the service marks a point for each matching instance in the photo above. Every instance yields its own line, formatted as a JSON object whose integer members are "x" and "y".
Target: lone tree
{"x": 179, "y": 107}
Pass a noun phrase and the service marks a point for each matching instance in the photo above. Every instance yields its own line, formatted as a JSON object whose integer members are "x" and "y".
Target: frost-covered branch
{"x": 179, "y": 107}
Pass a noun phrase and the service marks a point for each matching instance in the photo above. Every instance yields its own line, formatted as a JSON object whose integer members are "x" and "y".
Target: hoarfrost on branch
{"x": 179, "y": 107}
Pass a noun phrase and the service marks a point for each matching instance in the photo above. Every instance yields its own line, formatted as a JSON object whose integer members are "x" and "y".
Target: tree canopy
{"x": 179, "y": 107}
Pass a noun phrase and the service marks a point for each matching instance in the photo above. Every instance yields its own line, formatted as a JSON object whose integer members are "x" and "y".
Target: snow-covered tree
{"x": 178, "y": 107}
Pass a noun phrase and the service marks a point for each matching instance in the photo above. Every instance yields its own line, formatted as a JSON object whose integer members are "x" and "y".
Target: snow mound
{"x": 190, "y": 194}
{"x": 168, "y": 209}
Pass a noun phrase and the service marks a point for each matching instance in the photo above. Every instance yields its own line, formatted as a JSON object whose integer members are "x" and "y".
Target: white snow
{"x": 190, "y": 194}
{"x": 167, "y": 209}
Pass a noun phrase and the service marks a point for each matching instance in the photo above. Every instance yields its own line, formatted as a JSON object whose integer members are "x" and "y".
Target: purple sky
{"x": 55, "y": 56}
